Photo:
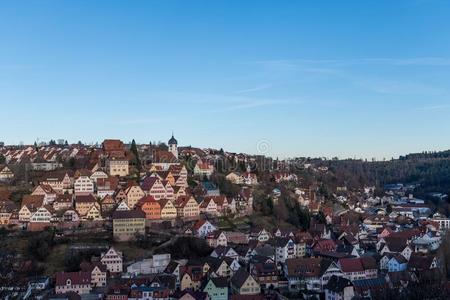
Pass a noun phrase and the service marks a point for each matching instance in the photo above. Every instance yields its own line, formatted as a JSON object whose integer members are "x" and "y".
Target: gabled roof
{"x": 148, "y": 182}
{"x": 220, "y": 282}
{"x": 182, "y": 201}
{"x": 239, "y": 278}
{"x": 399, "y": 258}
{"x": 32, "y": 201}
{"x": 147, "y": 199}
{"x": 395, "y": 244}
{"x": 420, "y": 262}
{"x": 90, "y": 266}
{"x": 164, "y": 202}
{"x": 171, "y": 267}
{"x": 199, "y": 224}
{"x": 205, "y": 203}
{"x": 46, "y": 188}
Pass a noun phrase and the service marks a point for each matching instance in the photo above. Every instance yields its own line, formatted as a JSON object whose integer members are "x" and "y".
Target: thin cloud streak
{"x": 435, "y": 107}
{"x": 255, "y": 89}
{"x": 139, "y": 121}
{"x": 412, "y": 61}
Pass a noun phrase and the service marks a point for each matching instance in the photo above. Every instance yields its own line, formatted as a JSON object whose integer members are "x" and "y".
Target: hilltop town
{"x": 161, "y": 221}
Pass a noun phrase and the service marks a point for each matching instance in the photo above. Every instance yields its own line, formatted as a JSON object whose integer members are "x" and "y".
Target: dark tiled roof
{"x": 128, "y": 214}
{"x": 239, "y": 278}
{"x": 337, "y": 284}
{"x": 220, "y": 282}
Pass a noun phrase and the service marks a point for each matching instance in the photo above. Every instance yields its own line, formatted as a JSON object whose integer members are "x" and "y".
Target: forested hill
{"x": 429, "y": 169}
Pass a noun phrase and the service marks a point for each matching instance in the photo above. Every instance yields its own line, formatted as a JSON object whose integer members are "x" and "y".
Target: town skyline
{"x": 262, "y": 147}
{"x": 230, "y": 74}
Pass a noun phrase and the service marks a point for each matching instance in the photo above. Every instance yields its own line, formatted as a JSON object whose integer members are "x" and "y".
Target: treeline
{"x": 432, "y": 175}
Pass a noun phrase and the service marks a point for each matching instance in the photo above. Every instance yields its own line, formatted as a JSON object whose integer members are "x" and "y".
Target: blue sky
{"x": 282, "y": 78}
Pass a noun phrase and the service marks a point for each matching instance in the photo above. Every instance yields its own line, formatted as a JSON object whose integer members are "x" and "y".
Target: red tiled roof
{"x": 351, "y": 265}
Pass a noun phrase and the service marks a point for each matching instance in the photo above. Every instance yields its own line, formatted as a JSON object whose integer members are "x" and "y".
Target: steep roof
{"x": 395, "y": 244}
{"x": 420, "y": 262}
{"x": 32, "y": 201}
{"x": 239, "y": 278}
{"x": 220, "y": 282}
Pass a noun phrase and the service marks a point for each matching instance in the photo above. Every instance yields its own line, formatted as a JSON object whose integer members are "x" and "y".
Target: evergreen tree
{"x": 136, "y": 161}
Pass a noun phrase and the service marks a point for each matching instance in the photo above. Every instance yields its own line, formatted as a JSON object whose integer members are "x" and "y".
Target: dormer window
{"x": 68, "y": 282}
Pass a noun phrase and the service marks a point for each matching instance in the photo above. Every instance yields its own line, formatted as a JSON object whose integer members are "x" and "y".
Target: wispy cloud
{"x": 12, "y": 67}
{"x": 435, "y": 107}
{"x": 296, "y": 64}
{"x": 255, "y": 103}
{"x": 373, "y": 74}
{"x": 415, "y": 61}
{"x": 255, "y": 89}
{"x": 139, "y": 121}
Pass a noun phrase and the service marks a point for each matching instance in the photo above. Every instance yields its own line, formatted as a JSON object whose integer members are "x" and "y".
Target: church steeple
{"x": 173, "y": 146}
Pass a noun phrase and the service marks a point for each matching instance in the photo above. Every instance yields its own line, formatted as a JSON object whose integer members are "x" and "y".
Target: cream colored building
{"x": 78, "y": 282}
{"x": 42, "y": 215}
{"x": 242, "y": 283}
{"x": 83, "y": 185}
{"x": 94, "y": 213}
{"x": 117, "y": 167}
{"x": 83, "y": 204}
{"x": 235, "y": 178}
{"x": 134, "y": 194}
{"x": 6, "y": 174}
{"x": 25, "y": 213}
{"x": 187, "y": 207}
{"x": 127, "y": 224}
{"x": 168, "y": 210}
{"x": 113, "y": 260}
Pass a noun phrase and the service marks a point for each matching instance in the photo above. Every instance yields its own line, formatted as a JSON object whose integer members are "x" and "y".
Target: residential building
{"x": 127, "y": 224}
{"x": 83, "y": 185}
{"x": 150, "y": 207}
{"x": 339, "y": 288}
{"x": 78, "y": 282}
{"x": 217, "y": 288}
{"x": 134, "y": 194}
{"x": 113, "y": 260}
{"x": 242, "y": 283}
{"x": 117, "y": 166}
{"x": 203, "y": 227}
{"x": 168, "y": 210}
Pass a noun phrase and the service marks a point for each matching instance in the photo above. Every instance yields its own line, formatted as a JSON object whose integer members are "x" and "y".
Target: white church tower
{"x": 173, "y": 146}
